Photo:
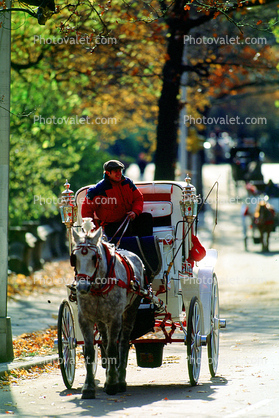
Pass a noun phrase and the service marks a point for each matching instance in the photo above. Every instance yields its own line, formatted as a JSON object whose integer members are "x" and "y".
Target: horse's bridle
{"x": 85, "y": 247}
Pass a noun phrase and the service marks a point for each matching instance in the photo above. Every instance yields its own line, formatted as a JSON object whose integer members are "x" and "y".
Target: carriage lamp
{"x": 68, "y": 209}
{"x": 188, "y": 207}
{"x": 188, "y": 204}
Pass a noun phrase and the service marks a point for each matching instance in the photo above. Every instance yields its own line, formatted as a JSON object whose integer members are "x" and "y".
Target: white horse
{"x": 104, "y": 298}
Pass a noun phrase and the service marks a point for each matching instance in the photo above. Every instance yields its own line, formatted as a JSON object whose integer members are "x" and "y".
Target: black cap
{"x": 113, "y": 164}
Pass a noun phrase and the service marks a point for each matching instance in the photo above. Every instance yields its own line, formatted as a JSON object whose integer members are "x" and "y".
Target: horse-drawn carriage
{"x": 180, "y": 296}
{"x": 246, "y": 164}
{"x": 260, "y": 213}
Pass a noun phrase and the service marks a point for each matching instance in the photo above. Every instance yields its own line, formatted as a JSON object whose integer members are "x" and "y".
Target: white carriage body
{"x": 180, "y": 287}
{"x": 162, "y": 200}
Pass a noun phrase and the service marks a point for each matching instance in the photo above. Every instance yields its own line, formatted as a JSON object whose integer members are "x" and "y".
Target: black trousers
{"x": 141, "y": 226}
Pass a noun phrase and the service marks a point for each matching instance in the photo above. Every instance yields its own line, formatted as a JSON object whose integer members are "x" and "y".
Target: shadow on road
{"x": 146, "y": 394}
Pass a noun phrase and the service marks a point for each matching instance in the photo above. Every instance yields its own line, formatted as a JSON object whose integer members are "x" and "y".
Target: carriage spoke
{"x": 194, "y": 341}
{"x": 213, "y": 343}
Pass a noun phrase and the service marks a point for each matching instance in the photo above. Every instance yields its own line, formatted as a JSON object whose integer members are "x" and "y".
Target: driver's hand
{"x": 131, "y": 215}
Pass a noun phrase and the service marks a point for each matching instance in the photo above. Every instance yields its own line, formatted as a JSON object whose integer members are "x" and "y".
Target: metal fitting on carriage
{"x": 187, "y": 269}
{"x": 135, "y": 285}
{"x": 148, "y": 293}
{"x": 188, "y": 204}
{"x": 73, "y": 292}
{"x": 222, "y": 323}
{"x": 159, "y": 305}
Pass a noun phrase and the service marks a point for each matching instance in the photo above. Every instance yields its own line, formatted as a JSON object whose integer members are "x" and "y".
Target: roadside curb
{"x": 26, "y": 364}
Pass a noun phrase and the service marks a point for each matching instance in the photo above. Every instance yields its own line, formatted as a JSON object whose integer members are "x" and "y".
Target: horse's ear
{"x": 98, "y": 235}
{"x": 75, "y": 235}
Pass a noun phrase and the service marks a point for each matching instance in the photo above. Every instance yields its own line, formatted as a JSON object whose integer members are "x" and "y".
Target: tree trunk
{"x": 168, "y": 119}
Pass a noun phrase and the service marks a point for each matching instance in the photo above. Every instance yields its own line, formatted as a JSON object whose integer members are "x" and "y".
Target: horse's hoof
{"x": 111, "y": 389}
{"x": 122, "y": 387}
{"x": 88, "y": 394}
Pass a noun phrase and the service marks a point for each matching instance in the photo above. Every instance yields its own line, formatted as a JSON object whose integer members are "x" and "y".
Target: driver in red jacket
{"x": 114, "y": 198}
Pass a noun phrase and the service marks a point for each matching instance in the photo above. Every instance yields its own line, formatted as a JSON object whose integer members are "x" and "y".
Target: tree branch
{"x": 224, "y": 97}
{"x": 18, "y": 9}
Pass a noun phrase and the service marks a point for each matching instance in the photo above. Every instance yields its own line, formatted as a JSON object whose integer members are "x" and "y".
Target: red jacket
{"x": 111, "y": 201}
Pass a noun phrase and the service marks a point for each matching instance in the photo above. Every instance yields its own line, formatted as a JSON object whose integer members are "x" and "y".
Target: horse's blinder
{"x": 73, "y": 259}
{"x": 84, "y": 250}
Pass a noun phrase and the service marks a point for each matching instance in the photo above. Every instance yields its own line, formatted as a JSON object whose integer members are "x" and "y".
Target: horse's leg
{"x": 87, "y": 328}
{"x": 113, "y": 331}
{"x": 262, "y": 240}
{"x": 244, "y": 226}
{"x": 129, "y": 317}
{"x": 267, "y": 241}
{"x": 103, "y": 331}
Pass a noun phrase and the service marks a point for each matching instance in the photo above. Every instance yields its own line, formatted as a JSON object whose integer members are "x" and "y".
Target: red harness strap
{"x": 129, "y": 272}
{"x": 106, "y": 288}
{"x": 111, "y": 271}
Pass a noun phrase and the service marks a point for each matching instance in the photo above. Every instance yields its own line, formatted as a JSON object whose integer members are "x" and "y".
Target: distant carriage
{"x": 246, "y": 164}
{"x": 260, "y": 214}
{"x": 182, "y": 294}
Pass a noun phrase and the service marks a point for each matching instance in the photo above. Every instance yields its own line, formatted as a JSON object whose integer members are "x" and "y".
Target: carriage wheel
{"x": 66, "y": 344}
{"x": 213, "y": 337}
{"x": 194, "y": 346}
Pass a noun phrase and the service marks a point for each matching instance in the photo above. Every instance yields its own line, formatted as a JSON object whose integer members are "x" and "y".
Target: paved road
{"x": 38, "y": 311}
{"x": 29, "y": 315}
{"x": 247, "y": 382}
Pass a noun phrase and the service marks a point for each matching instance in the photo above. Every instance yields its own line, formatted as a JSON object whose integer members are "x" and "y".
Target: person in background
{"x": 142, "y": 163}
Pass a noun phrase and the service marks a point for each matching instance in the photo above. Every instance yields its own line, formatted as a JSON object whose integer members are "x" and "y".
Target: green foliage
{"x": 54, "y": 86}
{"x": 44, "y": 152}
{"x": 121, "y": 81}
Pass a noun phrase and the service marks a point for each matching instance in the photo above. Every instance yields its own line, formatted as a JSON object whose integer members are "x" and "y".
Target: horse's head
{"x": 86, "y": 257}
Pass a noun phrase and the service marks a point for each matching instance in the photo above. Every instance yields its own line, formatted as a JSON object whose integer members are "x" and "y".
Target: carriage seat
{"x": 158, "y": 209}
{"x": 148, "y": 250}
{"x": 155, "y": 203}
